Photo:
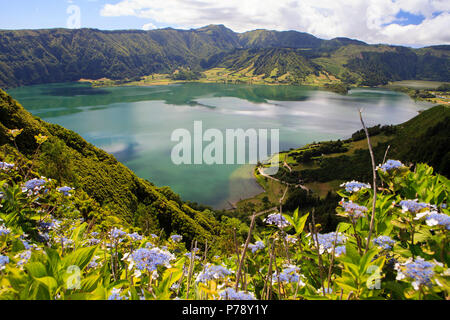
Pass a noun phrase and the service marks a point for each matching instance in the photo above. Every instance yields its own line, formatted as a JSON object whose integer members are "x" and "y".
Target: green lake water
{"x": 135, "y": 124}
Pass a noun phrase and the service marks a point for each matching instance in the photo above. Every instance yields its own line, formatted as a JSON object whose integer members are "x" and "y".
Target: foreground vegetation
{"x": 391, "y": 245}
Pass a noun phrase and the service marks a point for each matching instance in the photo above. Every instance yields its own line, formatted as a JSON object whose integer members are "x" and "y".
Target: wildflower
{"x": 289, "y": 274}
{"x": 40, "y": 139}
{"x": 116, "y": 295}
{"x": 148, "y": 259}
{"x": 384, "y": 242}
{"x": 259, "y": 245}
{"x": 327, "y": 240}
{"x": 231, "y": 294}
{"x": 6, "y": 166}
{"x": 277, "y": 219}
{"x": 135, "y": 236}
{"x": 355, "y": 186}
{"x": 4, "y": 230}
{"x": 153, "y": 235}
{"x": 3, "y": 261}
{"x": 176, "y": 238}
{"x": 413, "y": 206}
{"x": 391, "y": 165}
{"x": 14, "y": 132}
{"x": 418, "y": 270}
{"x": 353, "y": 210}
{"x": 65, "y": 190}
{"x": 212, "y": 272}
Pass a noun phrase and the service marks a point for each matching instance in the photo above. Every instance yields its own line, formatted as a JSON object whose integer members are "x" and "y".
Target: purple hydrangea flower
{"x": 384, "y": 242}
{"x": 277, "y": 219}
{"x": 65, "y": 190}
{"x": 212, "y": 272}
{"x": 4, "y": 260}
{"x": 353, "y": 210}
{"x": 34, "y": 184}
{"x": 176, "y": 238}
{"x": 327, "y": 240}
{"x": 355, "y": 186}
{"x": 418, "y": 270}
{"x": 231, "y": 294}
{"x": 259, "y": 245}
{"x": 391, "y": 165}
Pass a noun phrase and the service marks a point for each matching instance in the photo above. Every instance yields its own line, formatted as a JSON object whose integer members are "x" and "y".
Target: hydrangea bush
{"x": 51, "y": 249}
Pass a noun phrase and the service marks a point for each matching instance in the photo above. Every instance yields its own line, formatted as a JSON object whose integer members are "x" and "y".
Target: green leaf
{"x": 36, "y": 269}
{"x": 80, "y": 257}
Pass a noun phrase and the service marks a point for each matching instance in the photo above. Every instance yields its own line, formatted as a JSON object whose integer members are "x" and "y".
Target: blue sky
{"x": 404, "y": 22}
{"x": 32, "y": 14}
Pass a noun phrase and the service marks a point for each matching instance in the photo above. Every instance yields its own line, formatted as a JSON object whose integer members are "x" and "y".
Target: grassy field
{"x": 222, "y": 75}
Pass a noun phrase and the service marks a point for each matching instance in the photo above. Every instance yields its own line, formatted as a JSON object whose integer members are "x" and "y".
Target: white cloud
{"x": 367, "y": 20}
{"x": 148, "y": 26}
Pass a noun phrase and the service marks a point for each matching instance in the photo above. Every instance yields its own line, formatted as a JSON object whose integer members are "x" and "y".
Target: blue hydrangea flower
{"x": 384, "y": 242}
{"x": 391, "y": 165}
{"x": 339, "y": 250}
{"x": 413, "y": 206}
{"x": 6, "y": 166}
{"x": 4, "y": 230}
{"x": 231, "y": 294}
{"x": 188, "y": 254}
{"x": 61, "y": 240}
{"x": 117, "y": 233}
{"x": 176, "y": 238}
{"x": 93, "y": 263}
{"x": 149, "y": 259}
{"x": 259, "y": 245}
{"x": 3, "y": 261}
{"x": 24, "y": 256}
{"x": 34, "y": 183}
{"x": 277, "y": 219}
{"x": 212, "y": 272}
{"x": 418, "y": 270}
{"x": 135, "y": 236}
{"x": 326, "y": 241}
{"x": 353, "y": 210}
{"x": 290, "y": 274}
{"x": 355, "y": 186}
{"x": 26, "y": 245}
{"x": 116, "y": 295}
{"x": 65, "y": 190}
{"x": 434, "y": 219}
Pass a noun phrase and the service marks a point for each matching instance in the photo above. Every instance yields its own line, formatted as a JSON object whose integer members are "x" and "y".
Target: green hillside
{"x": 115, "y": 189}
{"x": 61, "y": 55}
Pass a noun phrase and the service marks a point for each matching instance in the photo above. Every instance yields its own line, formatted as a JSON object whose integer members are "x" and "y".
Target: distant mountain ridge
{"x": 61, "y": 55}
